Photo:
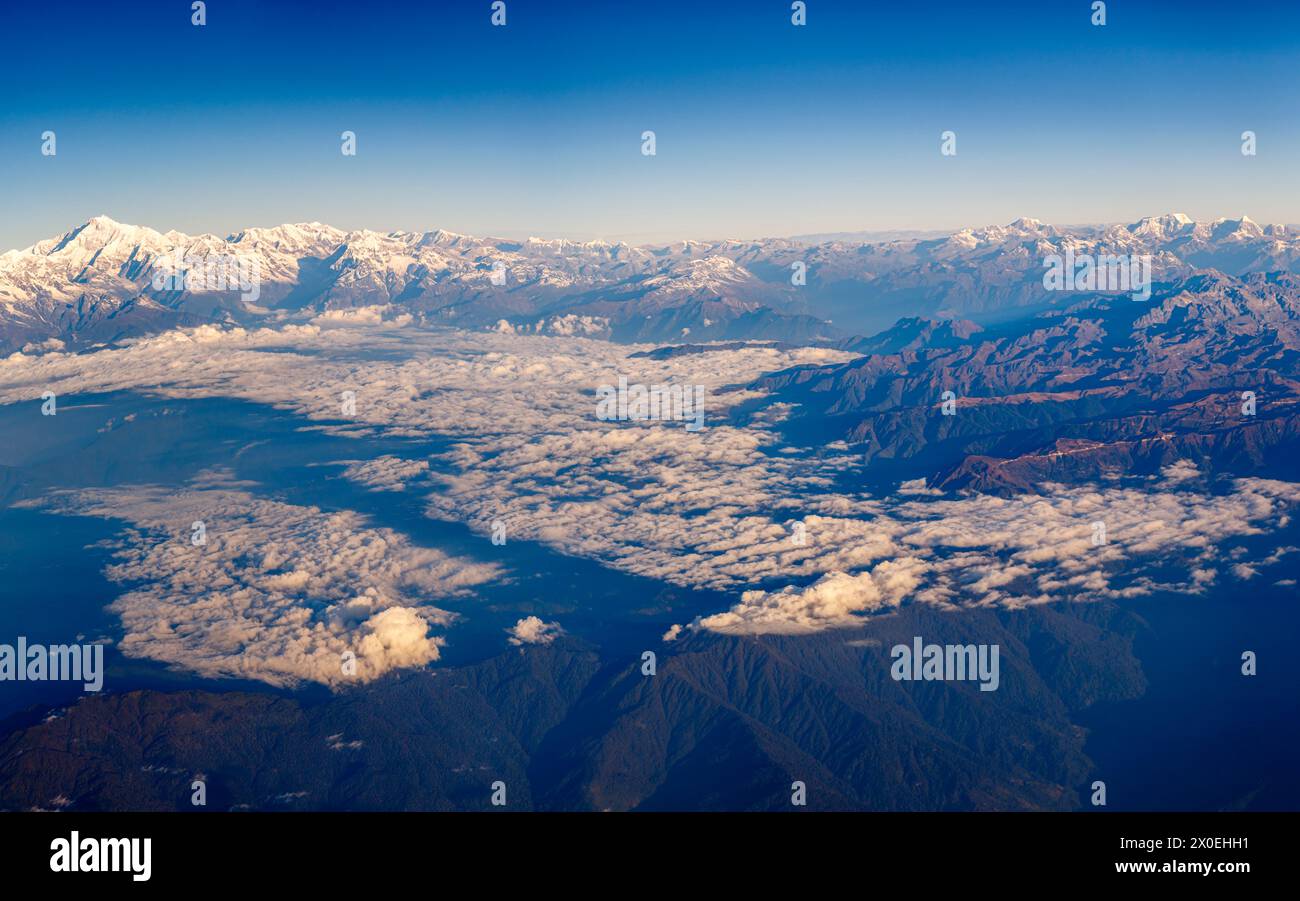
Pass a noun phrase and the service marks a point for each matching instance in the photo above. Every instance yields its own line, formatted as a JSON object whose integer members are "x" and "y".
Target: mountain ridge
{"x": 1208, "y": 370}
{"x": 104, "y": 280}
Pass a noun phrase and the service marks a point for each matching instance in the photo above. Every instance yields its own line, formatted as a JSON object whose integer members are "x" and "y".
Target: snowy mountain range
{"x": 104, "y": 280}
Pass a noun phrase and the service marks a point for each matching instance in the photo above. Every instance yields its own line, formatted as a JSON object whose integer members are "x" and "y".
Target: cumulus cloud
{"x": 834, "y": 600}
{"x": 371, "y": 315}
{"x": 386, "y": 473}
{"x": 532, "y": 630}
{"x": 46, "y": 346}
{"x": 276, "y": 592}
{"x": 917, "y": 486}
{"x": 1244, "y": 571}
{"x": 1180, "y": 471}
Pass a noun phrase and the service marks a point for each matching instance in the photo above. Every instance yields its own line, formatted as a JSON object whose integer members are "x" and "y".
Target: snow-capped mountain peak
{"x": 97, "y": 281}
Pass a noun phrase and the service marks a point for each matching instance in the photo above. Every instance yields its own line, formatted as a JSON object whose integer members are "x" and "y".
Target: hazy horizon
{"x": 519, "y": 235}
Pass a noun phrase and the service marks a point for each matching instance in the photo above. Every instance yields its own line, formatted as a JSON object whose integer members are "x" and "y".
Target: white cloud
{"x": 707, "y": 510}
{"x": 1180, "y": 471}
{"x": 371, "y": 315}
{"x": 834, "y": 600}
{"x": 386, "y": 473}
{"x": 917, "y": 486}
{"x": 532, "y": 630}
{"x": 278, "y": 593}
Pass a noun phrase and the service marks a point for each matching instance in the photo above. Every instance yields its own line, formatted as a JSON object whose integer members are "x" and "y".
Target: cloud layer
{"x": 728, "y": 508}
{"x": 276, "y": 592}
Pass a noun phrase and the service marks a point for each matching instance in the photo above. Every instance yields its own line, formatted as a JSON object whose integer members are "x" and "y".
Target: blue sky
{"x": 762, "y": 128}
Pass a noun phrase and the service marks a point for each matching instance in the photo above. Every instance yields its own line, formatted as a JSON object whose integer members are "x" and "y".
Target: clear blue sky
{"x": 763, "y": 128}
